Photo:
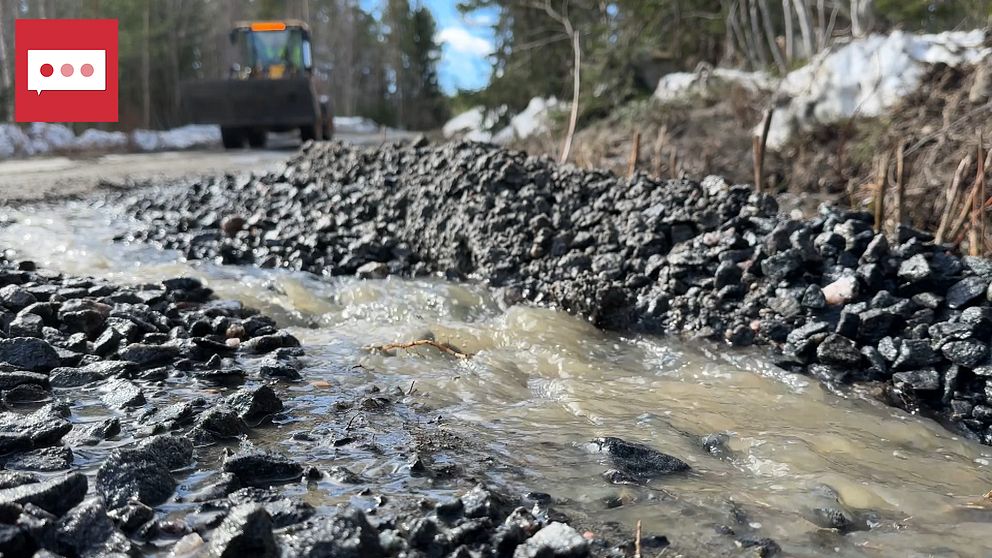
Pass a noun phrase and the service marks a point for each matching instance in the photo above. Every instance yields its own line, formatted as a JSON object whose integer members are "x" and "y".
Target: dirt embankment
{"x": 939, "y": 126}
{"x": 841, "y": 301}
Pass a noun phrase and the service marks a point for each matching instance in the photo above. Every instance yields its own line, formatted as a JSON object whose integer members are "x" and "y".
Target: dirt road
{"x": 59, "y": 177}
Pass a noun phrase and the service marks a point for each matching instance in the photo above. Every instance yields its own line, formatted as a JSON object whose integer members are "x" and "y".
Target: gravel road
{"x": 58, "y": 177}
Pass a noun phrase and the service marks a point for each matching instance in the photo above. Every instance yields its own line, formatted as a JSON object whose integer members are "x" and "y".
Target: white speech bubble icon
{"x": 67, "y": 70}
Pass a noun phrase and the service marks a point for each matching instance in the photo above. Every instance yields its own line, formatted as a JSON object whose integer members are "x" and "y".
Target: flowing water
{"x": 540, "y": 384}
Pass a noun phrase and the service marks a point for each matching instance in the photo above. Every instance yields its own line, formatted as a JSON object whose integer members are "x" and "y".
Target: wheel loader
{"x": 270, "y": 88}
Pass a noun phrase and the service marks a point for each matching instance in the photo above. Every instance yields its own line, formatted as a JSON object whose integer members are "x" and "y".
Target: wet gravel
{"x": 835, "y": 299}
{"x": 116, "y": 398}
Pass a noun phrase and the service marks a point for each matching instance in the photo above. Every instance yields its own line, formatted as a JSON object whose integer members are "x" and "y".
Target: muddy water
{"x": 542, "y": 383}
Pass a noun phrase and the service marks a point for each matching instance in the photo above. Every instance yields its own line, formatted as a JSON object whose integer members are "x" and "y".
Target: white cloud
{"x": 479, "y": 20}
{"x": 464, "y": 42}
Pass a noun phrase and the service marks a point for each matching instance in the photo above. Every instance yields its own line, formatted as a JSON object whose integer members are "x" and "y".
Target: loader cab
{"x": 271, "y": 50}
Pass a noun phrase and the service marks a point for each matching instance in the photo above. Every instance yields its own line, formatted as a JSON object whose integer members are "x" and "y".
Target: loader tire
{"x": 309, "y": 133}
{"x": 232, "y": 138}
{"x": 257, "y": 139}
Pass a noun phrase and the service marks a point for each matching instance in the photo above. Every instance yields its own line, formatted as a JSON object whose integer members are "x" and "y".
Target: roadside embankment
{"x": 711, "y": 259}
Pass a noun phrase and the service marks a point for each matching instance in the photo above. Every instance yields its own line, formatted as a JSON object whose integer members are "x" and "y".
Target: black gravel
{"x": 121, "y": 383}
{"x": 834, "y": 298}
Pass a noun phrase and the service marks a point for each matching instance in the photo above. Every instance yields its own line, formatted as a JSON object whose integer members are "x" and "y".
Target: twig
{"x": 756, "y": 155}
{"x": 758, "y": 146}
{"x": 673, "y": 162}
{"x": 635, "y": 153}
{"x": 955, "y": 232}
{"x": 355, "y": 416}
{"x": 410, "y": 391}
{"x": 637, "y": 540}
{"x": 881, "y": 181}
{"x": 444, "y": 348}
{"x": 953, "y": 193}
{"x": 900, "y": 185}
{"x": 977, "y": 232}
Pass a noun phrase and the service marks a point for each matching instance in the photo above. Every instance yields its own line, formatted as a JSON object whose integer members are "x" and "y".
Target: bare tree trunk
{"x": 805, "y": 26}
{"x": 862, "y": 12}
{"x": 177, "y": 38}
{"x": 790, "y": 50}
{"x": 755, "y": 42}
{"x": 146, "y": 97}
{"x": 7, "y": 97}
{"x": 573, "y": 117}
{"x": 729, "y": 41}
{"x": 821, "y": 25}
{"x": 734, "y": 27}
{"x": 766, "y": 20}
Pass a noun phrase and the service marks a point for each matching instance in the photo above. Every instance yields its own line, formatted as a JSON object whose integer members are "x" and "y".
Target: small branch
{"x": 573, "y": 117}
{"x": 758, "y": 147}
{"x": 976, "y": 235}
{"x": 637, "y": 540}
{"x": 900, "y": 185}
{"x": 953, "y": 193}
{"x": 635, "y": 154}
{"x": 444, "y": 348}
{"x": 352, "y": 420}
{"x": 881, "y": 182}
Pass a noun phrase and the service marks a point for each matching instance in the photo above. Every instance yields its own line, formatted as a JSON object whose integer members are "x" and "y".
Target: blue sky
{"x": 465, "y": 43}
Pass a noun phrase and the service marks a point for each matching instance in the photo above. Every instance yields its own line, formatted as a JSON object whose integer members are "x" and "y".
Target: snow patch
{"x": 475, "y": 124}
{"x": 679, "y": 85}
{"x": 860, "y": 77}
{"x": 355, "y": 125}
{"x": 532, "y": 121}
{"x": 100, "y": 140}
{"x": 184, "y": 137}
{"x": 866, "y": 77}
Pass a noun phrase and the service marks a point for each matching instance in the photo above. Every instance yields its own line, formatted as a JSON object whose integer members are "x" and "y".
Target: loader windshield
{"x": 273, "y": 54}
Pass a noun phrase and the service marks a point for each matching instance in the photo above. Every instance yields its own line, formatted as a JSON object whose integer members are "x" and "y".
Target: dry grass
{"x": 931, "y": 136}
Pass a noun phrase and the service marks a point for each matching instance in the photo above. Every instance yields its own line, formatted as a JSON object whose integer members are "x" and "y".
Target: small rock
{"x": 135, "y": 473}
{"x": 781, "y": 265}
{"x": 268, "y": 343}
{"x": 174, "y": 452}
{"x": 347, "y": 533}
{"x": 121, "y": 394}
{"x": 44, "y": 427}
{"x": 814, "y": 298}
{"x": 637, "y": 460}
{"x": 917, "y": 380}
{"x": 232, "y": 224}
{"x": 15, "y": 298}
{"x": 839, "y": 351}
{"x": 915, "y": 269}
{"x": 255, "y": 468}
{"x": 373, "y": 270}
{"x": 56, "y": 496}
{"x": 914, "y": 353}
{"x": 965, "y": 291}
{"x": 28, "y": 353}
{"x": 254, "y": 404}
{"x": 246, "y": 531}
{"x": 556, "y": 540}
{"x": 10, "y": 380}
{"x": 57, "y": 458}
{"x": 144, "y": 354}
{"x": 969, "y": 352}
{"x": 26, "y": 325}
